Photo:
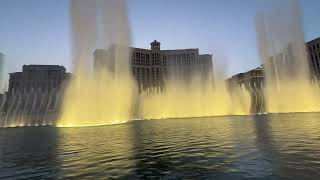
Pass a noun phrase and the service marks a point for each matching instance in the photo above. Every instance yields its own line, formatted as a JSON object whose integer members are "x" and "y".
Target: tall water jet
{"x": 103, "y": 97}
{"x": 2, "y": 90}
{"x": 109, "y": 95}
{"x": 196, "y": 97}
{"x": 283, "y": 54}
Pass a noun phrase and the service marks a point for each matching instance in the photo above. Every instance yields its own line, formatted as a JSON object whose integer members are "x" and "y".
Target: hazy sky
{"x": 37, "y": 31}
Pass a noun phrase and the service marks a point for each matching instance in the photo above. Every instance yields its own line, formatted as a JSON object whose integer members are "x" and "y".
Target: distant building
{"x": 42, "y": 78}
{"x": 152, "y": 67}
{"x": 313, "y": 48}
{"x": 253, "y": 82}
{"x": 34, "y": 95}
{"x": 253, "y": 79}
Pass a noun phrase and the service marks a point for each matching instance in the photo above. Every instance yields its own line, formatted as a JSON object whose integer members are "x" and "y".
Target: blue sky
{"x": 37, "y": 31}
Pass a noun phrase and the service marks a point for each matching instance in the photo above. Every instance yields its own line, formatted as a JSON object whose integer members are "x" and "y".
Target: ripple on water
{"x": 266, "y": 147}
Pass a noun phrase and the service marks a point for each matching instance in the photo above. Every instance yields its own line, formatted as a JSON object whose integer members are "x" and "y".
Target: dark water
{"x": 263, "y": 147}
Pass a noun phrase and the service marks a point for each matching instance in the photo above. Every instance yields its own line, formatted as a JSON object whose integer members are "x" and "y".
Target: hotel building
{"x": 34, "y": 94}
{"x": 151, "y": 68}
{"x": 313, "y": 48}
{"x": 42, "y": 78}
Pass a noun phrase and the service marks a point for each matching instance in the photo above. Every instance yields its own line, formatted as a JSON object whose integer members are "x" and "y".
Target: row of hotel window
{"x": 51, "y": 75}
{"x": 146, "y": 73}
{"x": 138, "y": 55}
{"x": 314, "y": 47}
{"x": 140, "y": 58}
{"x": 315, "y": 56}
{"x": 315, "y": 62}
{"x": 316, "y": 67}
{"x": 141, "y": 62}
{"x": 34, "y": 86}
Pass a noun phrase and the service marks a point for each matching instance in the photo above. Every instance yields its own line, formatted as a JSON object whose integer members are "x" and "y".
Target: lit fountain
{"x": 105, "y": 97}
{"x": 194, "y": 99}
{"x": 282, "y": 49}
{"x": 28, "y": 108}
{"x": 110, "y": 96}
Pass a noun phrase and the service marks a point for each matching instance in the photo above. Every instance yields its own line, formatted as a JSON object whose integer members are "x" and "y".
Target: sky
{"x": 38, "y": 31}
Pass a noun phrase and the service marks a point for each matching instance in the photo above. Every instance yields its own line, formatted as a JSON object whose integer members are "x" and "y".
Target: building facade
{"x": 253, "y": 79}
{"x": 253, "y": 82}
{"x": 313, "y": 48}
{"x": 34, "y": 96}
{"x": 153, "y": 67}
{"x": 42, "y": 78}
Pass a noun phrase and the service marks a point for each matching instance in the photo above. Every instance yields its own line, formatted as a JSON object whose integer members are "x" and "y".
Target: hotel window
{"x": 143, "y": 74}
{"x": 148, "y": 73}
{"x": 317, "y": 46}
{"x": 164, "y": 61}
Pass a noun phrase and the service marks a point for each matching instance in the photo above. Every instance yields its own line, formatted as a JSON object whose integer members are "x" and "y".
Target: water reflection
{"x": 266, "y": 154}
{"x": 283, "y": 146}
{"x": 187, "y": 148}
{"x": 96, "y": 152}
{"x": 296, "y": 139}
{"x": 28, "y": 153}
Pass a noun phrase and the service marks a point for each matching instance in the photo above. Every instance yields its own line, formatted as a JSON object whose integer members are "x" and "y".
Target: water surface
{"x": 284, "y": 146}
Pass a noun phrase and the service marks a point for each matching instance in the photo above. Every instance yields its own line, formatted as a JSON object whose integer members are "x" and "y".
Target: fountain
{"x": 109, "y": 95}
{"x": 105, "y": 97}
{"x": 283, "y": 53}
